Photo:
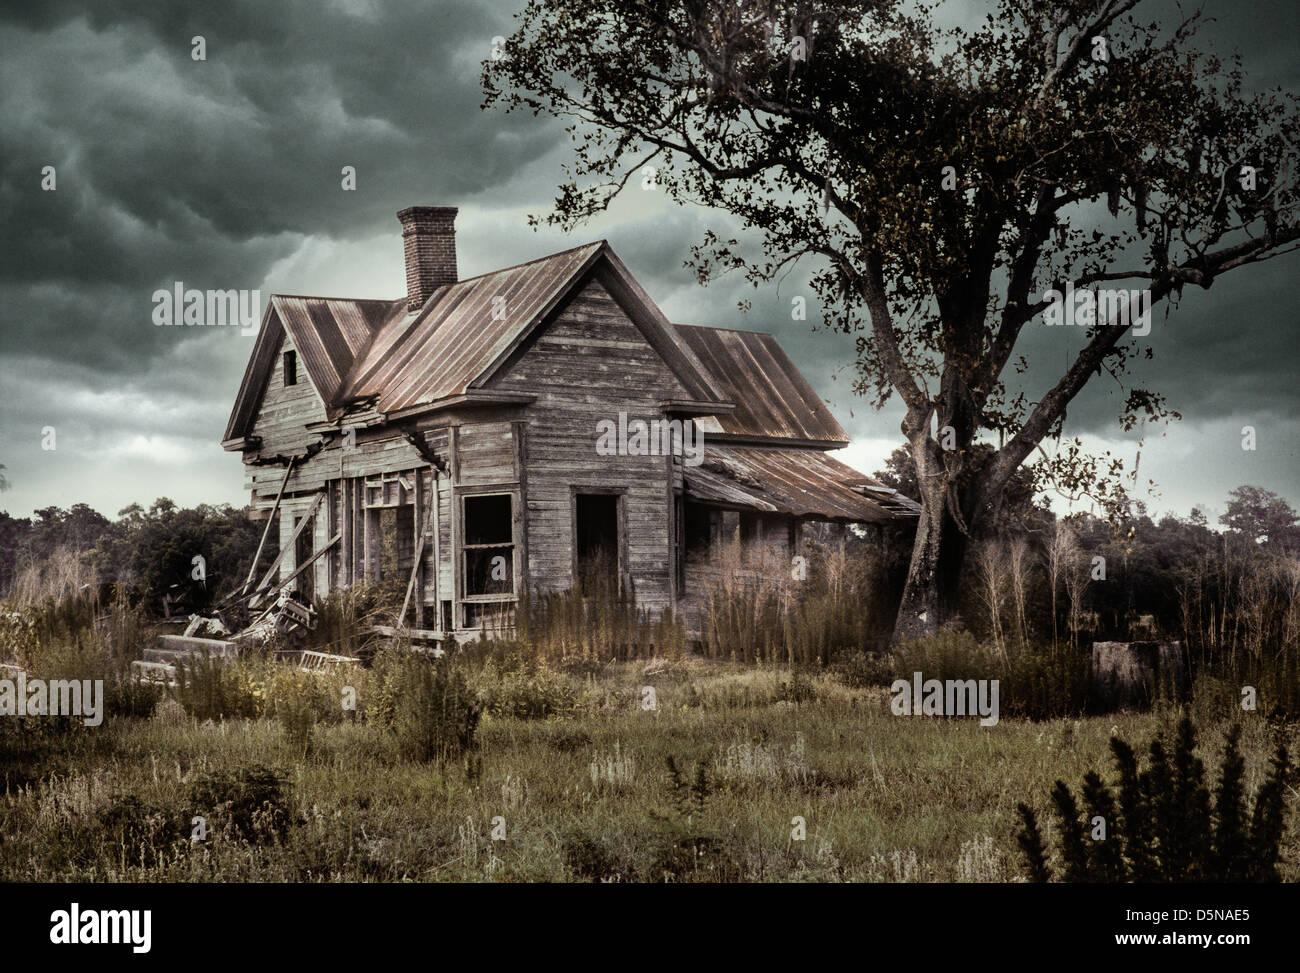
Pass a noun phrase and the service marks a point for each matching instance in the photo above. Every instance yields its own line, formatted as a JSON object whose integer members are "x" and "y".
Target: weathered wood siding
{"x": 587, "y": 365}
{"x": 285, "y": 410}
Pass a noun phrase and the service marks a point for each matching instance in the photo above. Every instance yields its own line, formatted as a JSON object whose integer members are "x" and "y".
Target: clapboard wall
{"x": 589, "y": 363}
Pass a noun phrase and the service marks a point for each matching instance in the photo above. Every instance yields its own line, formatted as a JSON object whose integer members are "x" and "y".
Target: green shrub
{"x": 1034, "y": 683}
{"x": 860, "y": 670}
{"x": 247, "y": 804}
{"x": 687, "y": 849}
{"x": 298, "y": 720}
{"x": 1164, "y": 824}
{"x": 210, "y": 688}
{"x": 527, "y": 692}
{"x": 132, "y": 697}
{"x": 590, "y": 859}
{"x": 138, "y": 830}
{"x": 428, "y": 704}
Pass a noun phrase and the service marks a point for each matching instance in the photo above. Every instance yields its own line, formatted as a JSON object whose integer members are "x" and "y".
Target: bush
{"x": 134, "y": 698}
{"x": 211, "y": 689}
{"x": 527, "y": 692}
{"x": 589, "y": 858}
{"x": 1034, "y": 683}
{"x": 138, "y": 829}
{"x": 428, "y": 705}
{"x": 687, "y": 850}
{"x": 248, "y": 804}
{"x": 860, "y": 670}
{"x": 1164, "y": 824}
{"x": 297, "y": 720}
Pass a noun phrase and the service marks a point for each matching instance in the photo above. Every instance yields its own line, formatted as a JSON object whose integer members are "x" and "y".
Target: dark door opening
{"x": 596, "y": 541}
{"x": 304, "y": 586}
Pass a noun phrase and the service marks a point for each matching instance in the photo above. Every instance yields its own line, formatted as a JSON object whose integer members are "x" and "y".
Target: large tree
{"x": 942, "y": 183}
{"x": 1261, "y": 516}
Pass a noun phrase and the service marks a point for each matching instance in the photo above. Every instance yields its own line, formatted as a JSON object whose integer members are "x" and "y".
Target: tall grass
{"x": 757, "y": 607}
{"x": 598, "y": 621}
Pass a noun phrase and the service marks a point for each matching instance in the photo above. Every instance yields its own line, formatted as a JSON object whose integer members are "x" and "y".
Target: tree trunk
{"x": 931, "y": 595}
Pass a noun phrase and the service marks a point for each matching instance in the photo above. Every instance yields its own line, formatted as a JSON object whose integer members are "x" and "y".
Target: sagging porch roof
{"x": 798, "y": 482}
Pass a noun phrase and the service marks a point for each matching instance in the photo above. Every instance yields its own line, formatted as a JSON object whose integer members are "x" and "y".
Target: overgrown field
{"x": 577, "y": 777}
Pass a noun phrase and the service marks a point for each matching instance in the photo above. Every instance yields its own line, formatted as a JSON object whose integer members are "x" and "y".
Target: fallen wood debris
{"x": 312, "y": 661}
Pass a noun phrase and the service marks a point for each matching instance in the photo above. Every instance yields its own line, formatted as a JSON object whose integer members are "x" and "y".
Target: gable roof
{"x": 459, "y": 340}
{"x": 773, "y": 400}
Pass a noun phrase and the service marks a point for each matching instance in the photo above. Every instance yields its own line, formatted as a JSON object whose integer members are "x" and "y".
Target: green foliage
{"x": 428, "y": 704}
{"x": 209, "y": 688}
{"x": 526, "y": 690}
{"x": 132, "y": 697}
{"x": 599, "y": 622}
{"x": 862, "y": 669}
{"x": 248, "y": 804}
{"x": 589, "y": 857}
{"x": 1034, "y": 683}
{"x": 145, "y": 552}
{"x": 297, "y": 719}
{"x": 687, "y": 849}
{"x": 753, "y": 609}
{"x": 1163, "y": 824}
{"x": 136, "y": 830}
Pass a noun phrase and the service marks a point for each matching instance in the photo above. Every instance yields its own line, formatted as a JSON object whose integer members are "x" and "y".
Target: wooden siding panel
{"x": 589, "y": 364}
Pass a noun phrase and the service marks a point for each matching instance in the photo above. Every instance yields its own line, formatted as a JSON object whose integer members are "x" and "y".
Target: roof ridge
{"x": 350, "y": 300}
{"x": 712, "y": 327}
{"x": 526, "y": 263}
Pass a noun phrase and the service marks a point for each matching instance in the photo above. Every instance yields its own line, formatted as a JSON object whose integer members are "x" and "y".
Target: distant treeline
{"x": 146, "y": 552}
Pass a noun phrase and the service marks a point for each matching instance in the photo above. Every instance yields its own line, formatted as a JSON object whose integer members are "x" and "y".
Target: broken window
{"x": 290, "y": 368}
{"x": 699, "y": 533}
{"x": 596, "y": 539}
{"x": 488, "y": 545}
{"x": 396, "y": 542}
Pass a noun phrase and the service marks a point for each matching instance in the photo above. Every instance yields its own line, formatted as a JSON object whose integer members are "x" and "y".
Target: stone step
{"x": 154, "y": 671}
{"x": 189, "y": 645}
{"x": 167, "y": 656}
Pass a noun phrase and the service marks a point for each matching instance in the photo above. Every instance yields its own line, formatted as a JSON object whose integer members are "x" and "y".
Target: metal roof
{"x": 772, "y": 399}
{"x": 380, "y": 354}
{"x": 329, "y": 334}
{"x": 460, "y": 332}
{"x": 801, "y": 482}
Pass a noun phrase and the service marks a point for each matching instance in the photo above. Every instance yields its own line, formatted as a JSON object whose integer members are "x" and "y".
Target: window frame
{"x": 463, "y": 548}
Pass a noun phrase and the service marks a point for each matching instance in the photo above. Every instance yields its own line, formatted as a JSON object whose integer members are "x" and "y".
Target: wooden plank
{"x": 414, "y": 633}
{"x": 419, "y": 553}
{"x": 284, "y": 549}
{"x": 436, "y": 506}
{"x": 367, "y": 540}
{"x": 521, "y": 508}
{"x": 345, "y": 547}
{"x": 417, "y": 569}
{"x": 304, "y": 566}
{"x": 252, "y": 568}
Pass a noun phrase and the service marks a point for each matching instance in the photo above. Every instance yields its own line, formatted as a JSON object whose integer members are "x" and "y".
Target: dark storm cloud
{"x": 226, "y": 174}
{"x": 172, "y": 169}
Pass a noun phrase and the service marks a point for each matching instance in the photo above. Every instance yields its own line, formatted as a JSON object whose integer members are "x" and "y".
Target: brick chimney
{"x": 429, "y": 244}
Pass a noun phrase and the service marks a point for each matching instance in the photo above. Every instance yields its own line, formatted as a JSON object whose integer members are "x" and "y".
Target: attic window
{"x": 290, "y": 368}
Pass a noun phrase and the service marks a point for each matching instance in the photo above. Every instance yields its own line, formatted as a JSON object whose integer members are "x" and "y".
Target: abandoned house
{"x": 452, "y": 438}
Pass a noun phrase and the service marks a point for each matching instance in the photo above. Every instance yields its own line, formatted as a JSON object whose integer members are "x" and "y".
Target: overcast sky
{"x": 225, "y": 173}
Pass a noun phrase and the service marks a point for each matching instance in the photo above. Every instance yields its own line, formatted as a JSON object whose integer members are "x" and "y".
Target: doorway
{"x": 596, "y": 542}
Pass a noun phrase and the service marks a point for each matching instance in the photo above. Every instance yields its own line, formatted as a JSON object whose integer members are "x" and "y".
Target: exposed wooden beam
{"x": 252, "y": 568}
{"x": 415, "y": 568}
{"x": 305, "y": 565}
{"x": 289, "y": 545}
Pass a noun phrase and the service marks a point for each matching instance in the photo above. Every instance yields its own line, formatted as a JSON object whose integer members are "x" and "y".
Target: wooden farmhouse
{"x": 513, "y": 432}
